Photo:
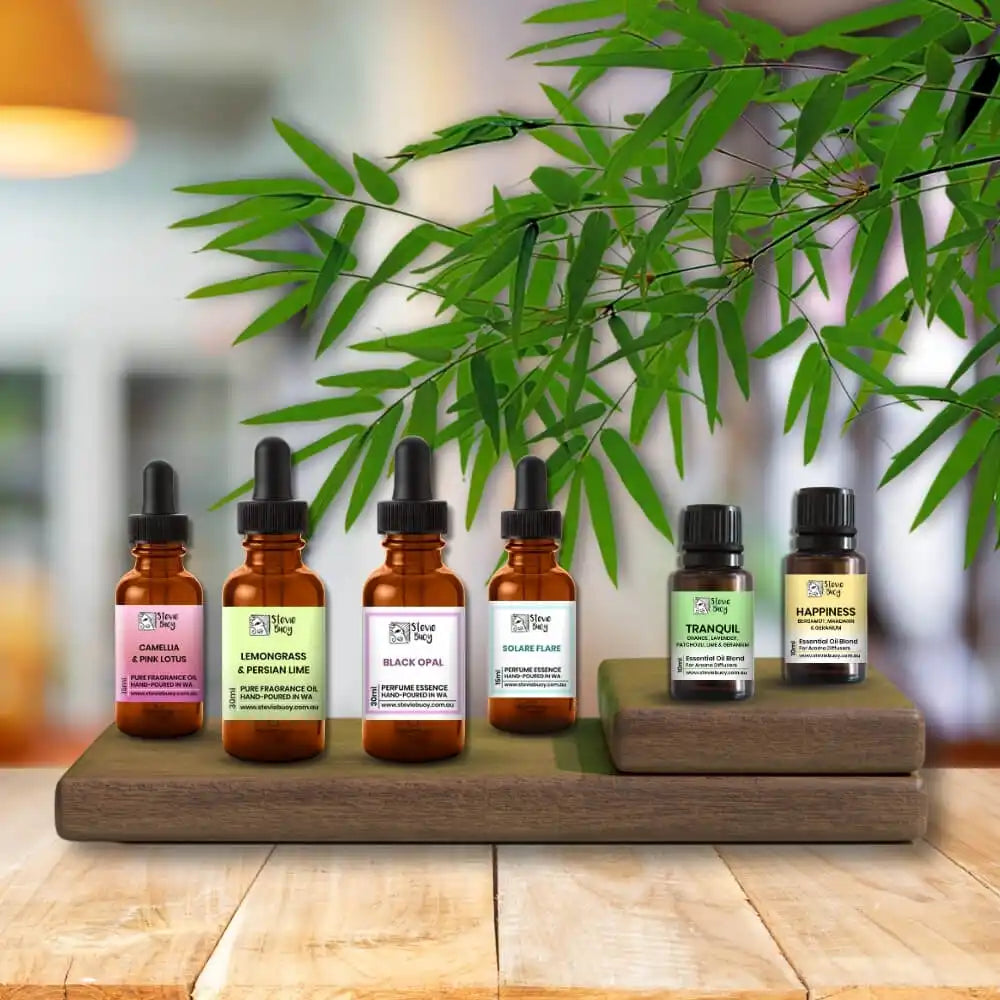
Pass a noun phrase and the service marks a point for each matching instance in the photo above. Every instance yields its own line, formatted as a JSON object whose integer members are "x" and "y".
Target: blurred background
{"x": 104, "y": 365}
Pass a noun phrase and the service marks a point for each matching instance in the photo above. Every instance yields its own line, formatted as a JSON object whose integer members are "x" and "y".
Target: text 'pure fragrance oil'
{"x": 413, "y": 624}
{"x": 711, "y": 608}
{"x": 159, "y": 621}
{"x": 826, "y": 592}
{"x": 532, "y": 680}
{"x": 273, "y": 625}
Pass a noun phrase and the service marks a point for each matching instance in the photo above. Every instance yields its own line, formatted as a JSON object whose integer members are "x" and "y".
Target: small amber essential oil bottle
{"x": 273, "y": 625}
{"x": 159, "y": 621}
{"x": 711, "y": 609}
{"x": 532, "y": 680}
{"x": 413, "y": 625}
{"x": 826, "y": 592}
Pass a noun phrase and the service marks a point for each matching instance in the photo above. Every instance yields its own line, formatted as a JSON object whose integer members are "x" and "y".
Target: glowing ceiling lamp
{"x": 57, "y": 113}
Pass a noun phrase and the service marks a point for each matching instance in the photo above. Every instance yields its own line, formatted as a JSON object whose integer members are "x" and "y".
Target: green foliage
{"x": 617, "y": 257}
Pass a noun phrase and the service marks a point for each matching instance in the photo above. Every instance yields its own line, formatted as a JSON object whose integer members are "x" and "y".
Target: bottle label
{"x": 826, "y": 618}
{"x": 414, "y": 663}
{"x": 711, "y": 635}
{"x": 159, "y": 652}
{"x": 532, "y": 649}
{"x": 274, "y": 663}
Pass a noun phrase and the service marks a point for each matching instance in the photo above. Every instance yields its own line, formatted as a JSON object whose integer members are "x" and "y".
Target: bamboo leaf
{"x": 718, "y": 117}
{"x": 712, "y": 35}
{"x": 249, "y": 208}
{"x": 257, "y": 229}
{"x": 562, "y": 42}
{"x": 601, "y": 517}
{"x": 282, "y": 311}
{"x": 581, "y": 364}
{"x": 708, "y": 370}
{"x": 818, "y": 113}
{"x": 347, "y": 309}
{"x": 580, "y": 10}
{"x": 662, "y": 59}
{"x": 571, "y": 520}
{"x": 872, "y": 251}
{"x": 918, "y": 122}
{"x": 520, "y": 286}
{"x": 494, "y": 264}
{"x": 914, "y": 247}
{"x": 374, "y": 378}
{"x": 735, "y": 344}
{"x": 721, "y": 214}
{"x": 485, "y": 463}
{"x": 938, "y": 65}
{"x": 983, "y": 347}
{"x": 938, "y": 425}
{"x": 594, "y": 238}
{"x": 374, "y": 463}
{"x": 560, "y": 464}
{"x": 318, "y": 409}
{"x": 783, "y": 339}
{"x": 812, "y": 358}
{"x": 404, "y": 253}
{"x": 668, "y": 111}
{"x": 656, "y": 337}
{"x": 592, "y": 411}
{"x": 317, "y": 159}
{"x": 334, "y": 481}
{"x": 485, "y": 387}
{"x": 675, "y": 416}
{"x": 287, "y": 258}
{"x": 591, "y": 138}
{"x": 957, "y": 465}
{"x": 558, "y": 186}
{"x": 256, "y": 186}
{"x": 900, "y": 48}
{"x": 376, "y": 181}
{"x": 816, "y": 414}
{"x": 424, "y": 412}
{"x": 983, "y": 498}
{"x": 252, "y": 282}
{"x": 636, "y": 480}
{"x": 629, "y": 346}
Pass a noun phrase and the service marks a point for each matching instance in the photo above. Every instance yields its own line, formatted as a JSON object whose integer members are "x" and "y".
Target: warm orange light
{"x": 57, "y": 111}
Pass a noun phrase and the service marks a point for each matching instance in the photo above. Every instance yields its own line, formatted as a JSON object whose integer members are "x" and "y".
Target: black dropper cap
{"x": 412, "y": 509}
{"x": 825, "y": 510}
{"x": 273, "y": 510}
{"x": 531, "y": 517}
{"x": 712, "y": 527}
{"x": 159, "y": 520}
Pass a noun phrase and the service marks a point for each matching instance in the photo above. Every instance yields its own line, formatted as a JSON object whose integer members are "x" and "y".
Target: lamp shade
{"x": 57, "y": 110}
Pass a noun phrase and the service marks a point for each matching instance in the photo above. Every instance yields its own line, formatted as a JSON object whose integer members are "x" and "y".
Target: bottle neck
{"x": 532, "y": 555}
{"x": 824, "y": 543}
{"x": 413, "y": 553}
{"x": 710, "y": 559}
{"x": 159, "y": 558}
{"x": 274, "y": 553}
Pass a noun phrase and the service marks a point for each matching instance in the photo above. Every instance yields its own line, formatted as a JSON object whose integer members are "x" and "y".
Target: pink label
{"x": 159, "y": 652}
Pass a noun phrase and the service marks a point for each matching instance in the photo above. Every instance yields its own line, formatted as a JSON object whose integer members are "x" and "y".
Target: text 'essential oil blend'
{"x": 826, "y": 592}
{"x": 532, "y": 682}
{"x": 711, "y": 608}
{"x": 413, "y": 623}
{"x": 273, "y": 625}
{"x": 159, "y": 621}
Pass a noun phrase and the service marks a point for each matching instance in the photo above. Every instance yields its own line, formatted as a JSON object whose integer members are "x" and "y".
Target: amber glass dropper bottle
{"x": 273, "y": 625}
{"x": 532, "y": 679}
{"x": 413, "y": 625}
{"x": 159, "y": 623}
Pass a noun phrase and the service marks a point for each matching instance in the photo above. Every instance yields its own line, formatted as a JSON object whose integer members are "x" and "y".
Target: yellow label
{"x": 826, "y": 618}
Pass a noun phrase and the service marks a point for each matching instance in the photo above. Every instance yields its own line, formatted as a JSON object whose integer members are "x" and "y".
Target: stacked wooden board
{"x": 806, "y": 765}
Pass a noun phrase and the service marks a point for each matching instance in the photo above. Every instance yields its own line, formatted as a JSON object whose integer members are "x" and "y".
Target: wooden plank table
{"x": 547, "y": 922}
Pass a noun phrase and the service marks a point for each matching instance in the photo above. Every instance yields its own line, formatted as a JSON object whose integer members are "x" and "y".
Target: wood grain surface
{"x": 561, "y": 789}
{"x": 610, "y": 923}
{"x": 875, "y": 922}
{"x": 869, "y": 728}
{"x": 96, "y": 921}
{"x": 368, "y": 923}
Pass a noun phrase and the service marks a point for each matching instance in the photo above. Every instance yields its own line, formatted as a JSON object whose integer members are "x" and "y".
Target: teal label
{"x": 273, "y": 663}
{"x": 711, "y": 635}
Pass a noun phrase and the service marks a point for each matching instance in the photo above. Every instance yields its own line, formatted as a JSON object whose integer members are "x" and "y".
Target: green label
{"x": 711, "y": 635}
{"x": 274, "y": 663}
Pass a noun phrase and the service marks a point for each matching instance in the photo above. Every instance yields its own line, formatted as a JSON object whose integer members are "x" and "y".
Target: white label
{"x": 414, "y": 663}
{"x": 532, "y": 649}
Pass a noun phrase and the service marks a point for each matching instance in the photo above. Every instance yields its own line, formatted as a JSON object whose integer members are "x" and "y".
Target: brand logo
{"x": 814, "y": 588}
{"x": 524, "y": 623}
{"x": 150, "y": 621}
{"x": 261, "y": 626}
{"x": 401, "y": 633}
{"x": 710, "y": 605}
{"x": 824, "y": 588}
